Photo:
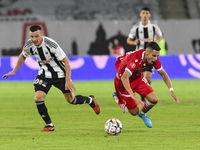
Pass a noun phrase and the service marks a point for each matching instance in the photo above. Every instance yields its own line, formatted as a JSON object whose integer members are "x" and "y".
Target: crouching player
{"x": 129, "y": 80}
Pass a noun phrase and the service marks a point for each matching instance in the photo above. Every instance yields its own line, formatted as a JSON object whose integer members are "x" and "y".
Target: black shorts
{"x": 149, "y": 69}
{"x": 44, "y": 84}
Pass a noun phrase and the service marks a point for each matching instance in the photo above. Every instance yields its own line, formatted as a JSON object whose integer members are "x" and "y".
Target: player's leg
{"x": 42, "y": 86}
{"x": 42, "y": 109}
{"x": 117, "y": 95}
{"x": 147, "y": 75}
{"x": 143, "y": 88}
{"x": 151, "y": 101}
{"x": 78, "y": 99}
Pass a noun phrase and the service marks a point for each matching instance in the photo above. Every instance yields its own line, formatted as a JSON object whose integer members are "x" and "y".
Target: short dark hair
{"x": 145, "y": 8}
{"x": 153, "y": 46}
{"x": 35, "y": 28}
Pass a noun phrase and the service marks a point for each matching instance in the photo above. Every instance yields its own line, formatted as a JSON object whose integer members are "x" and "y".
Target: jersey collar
{"x": 145, "y": 25}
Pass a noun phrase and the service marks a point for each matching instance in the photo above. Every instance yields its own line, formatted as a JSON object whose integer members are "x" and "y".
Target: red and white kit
{"x": 134, "y": 64}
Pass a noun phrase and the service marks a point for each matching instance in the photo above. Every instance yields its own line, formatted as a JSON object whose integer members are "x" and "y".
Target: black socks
{"x": 42, "y": 109}
{"x": 79, "y": 99}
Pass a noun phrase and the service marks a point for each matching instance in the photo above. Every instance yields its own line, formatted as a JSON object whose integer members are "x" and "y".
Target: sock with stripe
{"x": 147, "y": 106}
{"x": 79, "y": 99}
{"x": 42, "y": 109}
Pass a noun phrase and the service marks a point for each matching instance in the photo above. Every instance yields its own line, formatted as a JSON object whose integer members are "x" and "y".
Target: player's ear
{"x": 41, "y": 33}
{"x": 147, "y": 51}
{"x": 141, "y": 14}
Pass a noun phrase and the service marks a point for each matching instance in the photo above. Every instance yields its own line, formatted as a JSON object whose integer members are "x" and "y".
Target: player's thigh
{"x": 42, "y": 87}
{"x": 152, "y": 97}
{"x": 141, "y": 86}
{"x": 69, "y": 97}
{"x": 60, "y": 84}
{"x": 123, "y": 96}
{"x": 40, "y": 96}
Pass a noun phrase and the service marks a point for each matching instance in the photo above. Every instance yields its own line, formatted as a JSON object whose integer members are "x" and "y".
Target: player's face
{"x": 152, "y": 56}
{"x": 145, "y": 15}
{"x": 36, "y": 37}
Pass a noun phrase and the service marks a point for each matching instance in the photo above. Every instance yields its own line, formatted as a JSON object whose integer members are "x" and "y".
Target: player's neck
{"x": 145, "y": 22}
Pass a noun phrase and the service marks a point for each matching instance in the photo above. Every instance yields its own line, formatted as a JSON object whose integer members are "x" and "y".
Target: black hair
{"x": 153, "y": 46}
{"x": 35, "y": 28}
{"x": 145, "y": 8}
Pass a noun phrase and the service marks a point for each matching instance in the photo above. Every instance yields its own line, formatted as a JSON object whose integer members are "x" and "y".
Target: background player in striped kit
{"x": 144, "y": 32}
{"x": 54, "y": 69}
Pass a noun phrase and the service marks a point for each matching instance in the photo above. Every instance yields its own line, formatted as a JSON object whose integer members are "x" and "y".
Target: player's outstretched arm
{"x": 20, "y": 61}
{"x": 169, "y": 84}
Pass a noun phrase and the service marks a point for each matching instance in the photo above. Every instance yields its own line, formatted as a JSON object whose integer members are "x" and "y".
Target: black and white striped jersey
{"x": 145, "y": 33}
{"x": 49, "y": 55}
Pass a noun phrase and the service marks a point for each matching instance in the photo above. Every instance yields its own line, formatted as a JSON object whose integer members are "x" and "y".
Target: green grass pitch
{"x": 175, "y": 127}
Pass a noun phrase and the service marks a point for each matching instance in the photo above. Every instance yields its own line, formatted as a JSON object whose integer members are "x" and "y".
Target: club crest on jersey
{"x": 46, "y": 52}
{"x": 132, "y": 65}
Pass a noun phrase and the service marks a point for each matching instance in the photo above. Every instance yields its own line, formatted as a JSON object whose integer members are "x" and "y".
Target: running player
{"x": 129, "y": 79}
{"x": 54, "y": 69}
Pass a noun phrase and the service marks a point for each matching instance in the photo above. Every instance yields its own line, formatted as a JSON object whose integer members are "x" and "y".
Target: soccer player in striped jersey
{"x": 129, "y": 80}
{"x": 144, "y": 32}
{"x": 54, "y": 69}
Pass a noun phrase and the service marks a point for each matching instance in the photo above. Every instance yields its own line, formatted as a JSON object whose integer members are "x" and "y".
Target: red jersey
{"x": 133, "y": 63}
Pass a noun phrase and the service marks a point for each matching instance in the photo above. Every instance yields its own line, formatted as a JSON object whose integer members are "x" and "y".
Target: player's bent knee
{"x": 39, "y": 96}
{"x": 69, "y": 97}
{"x": 155, "y": 101}
{"x": 38, "y": 99}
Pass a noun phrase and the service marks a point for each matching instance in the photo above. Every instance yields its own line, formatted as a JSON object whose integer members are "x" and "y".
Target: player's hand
{"x": 9, "y": 74}
{"x": 175, "y": 97}
{"x": 137, "y": 99}
{"x": 70, "y": 86}
{"x": 136, "y": 42}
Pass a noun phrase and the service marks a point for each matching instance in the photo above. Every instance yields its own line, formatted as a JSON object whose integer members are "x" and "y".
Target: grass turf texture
{"x": 78, "y": 127}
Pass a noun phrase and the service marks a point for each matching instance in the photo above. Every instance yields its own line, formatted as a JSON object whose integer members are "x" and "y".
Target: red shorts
{"x": 139, "y": 85}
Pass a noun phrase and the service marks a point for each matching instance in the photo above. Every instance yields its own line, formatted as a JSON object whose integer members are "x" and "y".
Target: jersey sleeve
{"x": 158, "y": 31}
{"x": 118, "y": 61}
{"x": 132, "y": 33}
{"x": 157, "y": 65}
{"x": 55, "y": 48}
{"x": 26, "y": 49}
{"x": 60, "y": 54}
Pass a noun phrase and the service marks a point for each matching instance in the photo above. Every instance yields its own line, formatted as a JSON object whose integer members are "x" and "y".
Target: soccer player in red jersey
{"x": 129, "y": 79}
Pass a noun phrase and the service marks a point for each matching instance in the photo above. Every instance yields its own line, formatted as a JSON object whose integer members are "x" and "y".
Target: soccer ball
{"x": 113, "y": 126}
